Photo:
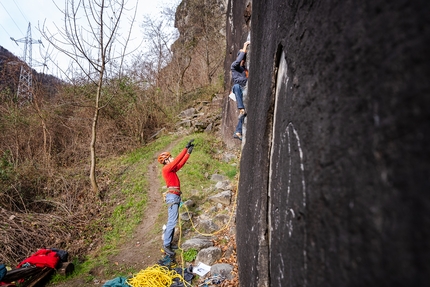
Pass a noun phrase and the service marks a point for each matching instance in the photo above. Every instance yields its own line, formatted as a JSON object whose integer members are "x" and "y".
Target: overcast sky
{"x": 15, "y": 16}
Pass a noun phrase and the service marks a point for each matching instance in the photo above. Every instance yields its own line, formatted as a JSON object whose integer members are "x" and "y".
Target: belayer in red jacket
{"x": 173, "y": 196}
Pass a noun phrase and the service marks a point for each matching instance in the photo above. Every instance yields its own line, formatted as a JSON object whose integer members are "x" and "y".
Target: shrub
{"x": 190, "y": 255}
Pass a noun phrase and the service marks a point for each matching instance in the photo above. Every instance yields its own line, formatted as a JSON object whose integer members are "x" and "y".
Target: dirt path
{"x": 143, "y": 248}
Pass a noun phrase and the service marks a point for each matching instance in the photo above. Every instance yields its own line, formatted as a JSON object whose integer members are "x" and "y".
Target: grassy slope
{"x": 127, "y": 202}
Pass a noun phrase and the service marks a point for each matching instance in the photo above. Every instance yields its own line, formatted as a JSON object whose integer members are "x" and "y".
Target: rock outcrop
{"x": 335, "y": 162}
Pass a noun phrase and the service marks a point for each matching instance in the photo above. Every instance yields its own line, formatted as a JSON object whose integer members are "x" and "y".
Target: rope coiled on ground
{"x": 154, "y": 276}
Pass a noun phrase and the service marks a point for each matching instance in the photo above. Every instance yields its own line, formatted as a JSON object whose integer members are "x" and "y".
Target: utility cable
{"x": 11, "y": 18}
{"x": 5, "y": 30}
{"x": 20, "y": 11}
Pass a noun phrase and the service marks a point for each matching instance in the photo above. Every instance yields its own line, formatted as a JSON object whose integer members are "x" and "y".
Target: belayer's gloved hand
{"x": 190, "y": 143}
{"x": 190, "y": 149}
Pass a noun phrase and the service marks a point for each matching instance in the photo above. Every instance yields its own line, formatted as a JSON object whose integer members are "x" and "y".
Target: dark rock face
{"x": 237, "y": 30}
{"x": 334, "y": 185}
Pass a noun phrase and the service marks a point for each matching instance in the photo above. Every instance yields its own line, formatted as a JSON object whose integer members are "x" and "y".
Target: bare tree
{"x": 194, "y": 58}
{"x": 158, "y": 37}
{"x": 91, "y": 37}
{"x": 202, "y": 30}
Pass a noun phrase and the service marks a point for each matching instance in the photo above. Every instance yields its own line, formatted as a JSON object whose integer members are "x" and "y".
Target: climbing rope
{"x": 216, "y": 231}
{"x": 230, "y": 216}
{"x": 207, "y": 234}
{"x": 154, "y": 276}
{"x": 201, "y": 233}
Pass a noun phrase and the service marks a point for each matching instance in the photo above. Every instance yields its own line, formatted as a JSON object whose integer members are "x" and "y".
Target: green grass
{"x": 203, "y": 162}
{"x": 127, "y": 192}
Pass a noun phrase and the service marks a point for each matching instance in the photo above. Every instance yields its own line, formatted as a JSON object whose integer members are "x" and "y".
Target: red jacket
{"x": 42, "y": 258}
{"x": 170, "y": 169}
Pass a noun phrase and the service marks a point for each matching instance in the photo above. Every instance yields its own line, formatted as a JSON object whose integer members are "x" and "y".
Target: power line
{"x": 12, "y": 18}
{"x": 20, "y": 11}
{"x": 5, "y": 30}
{"x": 10, "y": 36}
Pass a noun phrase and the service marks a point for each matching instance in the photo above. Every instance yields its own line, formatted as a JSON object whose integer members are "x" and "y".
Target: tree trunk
{"x": 93, "y": 178}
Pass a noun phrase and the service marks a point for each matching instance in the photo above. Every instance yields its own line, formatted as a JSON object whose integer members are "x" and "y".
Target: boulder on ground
{"x": 209, "y": 255}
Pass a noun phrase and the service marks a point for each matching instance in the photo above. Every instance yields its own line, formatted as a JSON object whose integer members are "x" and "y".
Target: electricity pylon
{"x": 25, "y": 84}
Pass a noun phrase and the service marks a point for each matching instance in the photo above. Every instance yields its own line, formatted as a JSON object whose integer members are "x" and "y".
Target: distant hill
{"x": 10, "y": 66}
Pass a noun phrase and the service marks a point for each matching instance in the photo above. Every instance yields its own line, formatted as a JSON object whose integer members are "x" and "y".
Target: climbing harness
{"x": 171, "y": 189}
{"x": 173, "y": 203}
{"x": 174, "y": 190}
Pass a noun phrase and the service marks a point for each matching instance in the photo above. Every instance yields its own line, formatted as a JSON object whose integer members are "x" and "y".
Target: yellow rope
{"x": 154, "y": 276}
{"x": 221, "y": 229}
{"x": 207, "y": 234}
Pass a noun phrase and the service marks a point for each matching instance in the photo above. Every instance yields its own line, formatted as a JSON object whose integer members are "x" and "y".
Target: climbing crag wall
{"x": 334, "y": 173}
